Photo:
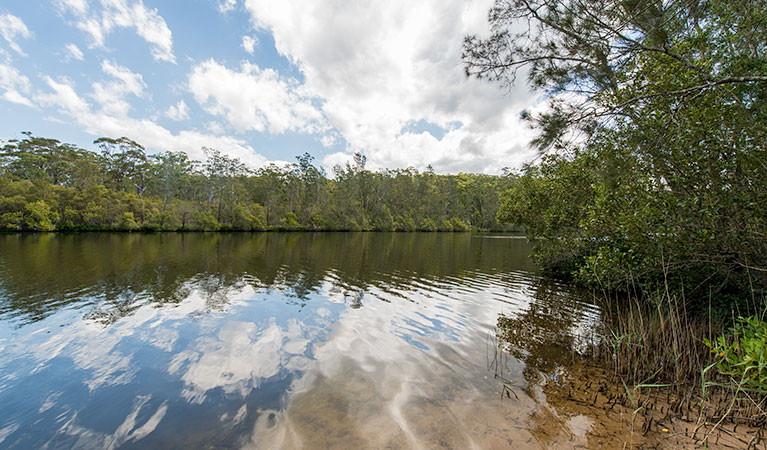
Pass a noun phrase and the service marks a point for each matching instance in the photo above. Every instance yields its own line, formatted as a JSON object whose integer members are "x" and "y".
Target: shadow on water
{"x": 291, "y": 340}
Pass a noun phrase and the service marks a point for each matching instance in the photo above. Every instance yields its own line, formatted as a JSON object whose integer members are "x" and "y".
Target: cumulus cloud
{"x": 249, "y": 43}
{"x": 383, "y": 78}
{"x": 179, "y": 111}
{"x": 71, "y": 51}
{"x": 13, "y": 84}
{"x": 251, "y": 98}
{"x": 61, "y": 94}
{"x": 11, "y": 29}
{"x": 100, "y": 20}
{"x": 111, "y": 95}
{"x": 379, "y": 66}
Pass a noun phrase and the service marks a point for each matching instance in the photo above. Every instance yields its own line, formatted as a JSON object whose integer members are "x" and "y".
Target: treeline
{"x": 48, "y": 185}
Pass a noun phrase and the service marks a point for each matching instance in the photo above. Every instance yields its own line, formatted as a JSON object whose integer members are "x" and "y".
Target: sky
{"x": 262, "y": 80}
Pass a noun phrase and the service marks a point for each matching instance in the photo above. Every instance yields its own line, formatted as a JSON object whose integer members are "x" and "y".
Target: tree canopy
{"x": 654, "y": 137}
{"x": 48, "y": 185}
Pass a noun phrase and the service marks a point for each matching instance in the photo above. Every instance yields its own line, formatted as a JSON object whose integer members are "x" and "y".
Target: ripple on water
{"x": 272, "y": 340}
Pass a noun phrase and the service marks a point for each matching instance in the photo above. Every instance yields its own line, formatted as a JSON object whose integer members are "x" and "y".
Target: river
{"x": 290, "y": 340}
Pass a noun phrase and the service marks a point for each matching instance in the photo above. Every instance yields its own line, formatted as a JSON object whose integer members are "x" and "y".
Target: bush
{"x": 459, "y": 225}
{"x": 128, "y": 222}
{"x": 744, "y": 354}
{"x": 427, "y": 225}
{"x": 290, "y": 222}
{"x": 38, "y": 216}
{"x": 404, "y": 224}
{"x": 205, "y": 221}
{"x": 445, "y": 225}
{"x": 10, "y": 221}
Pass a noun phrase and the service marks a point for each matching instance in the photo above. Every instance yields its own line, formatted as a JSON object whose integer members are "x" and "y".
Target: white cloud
{"x": 215, "y": 127}
{"x": 328, "y": 140}
{"x": 77, "y": 6}
{"x": 100, "y": 21}
{"x": 13, "y": 83}
{"x": 73, "y": 52}
{"x": 14, "y": 96}
{"x": 114, "y": 122}
{"x": 179, "y": 111}
{"x": 129, "y": 82}
{"x": 255, "y": 99}
{"x": 64, "y": 97}
{"x": 111, "y": 95}
{"x": 226, "y": 6}
{"x": 12, "y": 28}
{"x": 249, "y": 43}
{"x": 382, "y": 65}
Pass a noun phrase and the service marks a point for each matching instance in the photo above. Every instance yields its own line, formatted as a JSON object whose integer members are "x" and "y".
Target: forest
{"x": 49, "y": 185}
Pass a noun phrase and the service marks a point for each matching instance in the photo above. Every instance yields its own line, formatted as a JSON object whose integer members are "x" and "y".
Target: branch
{"x": 730, "y": 80}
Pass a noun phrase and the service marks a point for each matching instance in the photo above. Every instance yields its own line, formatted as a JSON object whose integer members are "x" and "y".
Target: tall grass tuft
{"x": 708, "y": 370}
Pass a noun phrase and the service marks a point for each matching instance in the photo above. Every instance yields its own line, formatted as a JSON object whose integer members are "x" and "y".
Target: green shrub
{"x": 445, "y": 225}
{"x": 404, "y": 224}
{"x": 744, "y": 354}
{"x": 128, "y": 221}
{"x": 459, "y": 225}
{"x": 10, "y": 221}
{"x": 290, "y": 222}
{"x": 38, "y": 216}
{"x": 427, "y": 225}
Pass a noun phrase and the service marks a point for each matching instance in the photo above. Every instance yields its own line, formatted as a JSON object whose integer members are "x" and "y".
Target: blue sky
{"x": 261, "y": 80}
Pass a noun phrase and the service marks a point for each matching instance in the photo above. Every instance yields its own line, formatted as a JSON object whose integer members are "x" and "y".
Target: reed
{"x": 659, "y": 349}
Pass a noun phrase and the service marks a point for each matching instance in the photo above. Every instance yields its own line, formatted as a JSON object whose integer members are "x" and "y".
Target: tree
{"x": 659, "y": 107}
{"x": 124, "y": 188}
{"x": 38, "y": 216}
{"x": 608, "y": 55}
{"x": 127, "y": 165}
{"x": 223, "y": 172}
{"x": 48, "y": 160}
{"x": 170, "y": 174}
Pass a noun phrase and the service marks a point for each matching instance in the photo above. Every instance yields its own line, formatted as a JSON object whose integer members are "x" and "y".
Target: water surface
{"x": 285, "y": 340}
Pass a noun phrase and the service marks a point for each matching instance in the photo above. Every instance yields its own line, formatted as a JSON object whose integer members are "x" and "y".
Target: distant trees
{"x": 46, "y": 185}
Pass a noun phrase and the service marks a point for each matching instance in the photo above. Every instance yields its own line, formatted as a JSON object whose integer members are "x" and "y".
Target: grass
{"x": 708, "y": 371}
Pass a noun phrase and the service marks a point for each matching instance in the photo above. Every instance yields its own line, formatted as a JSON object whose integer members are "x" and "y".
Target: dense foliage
{"x": 655, "y": 171}
{"x": 743, "y": 356}
{"x": 48, "y": 185}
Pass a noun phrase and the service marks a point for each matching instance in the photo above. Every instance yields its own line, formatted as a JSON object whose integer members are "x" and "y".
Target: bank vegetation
{"x": 651, "y": 186}
{"x": 48, "y": 185}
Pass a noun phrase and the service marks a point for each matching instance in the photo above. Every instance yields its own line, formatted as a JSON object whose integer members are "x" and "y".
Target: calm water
{"x": 280, "y": 340}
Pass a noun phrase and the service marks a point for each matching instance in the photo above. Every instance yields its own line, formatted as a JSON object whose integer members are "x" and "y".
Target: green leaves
{"x": 38, "y": 216}
{"x": 743, "y": 354}
{"x": 666, "y": 179}
{"x": 620, "y": 58}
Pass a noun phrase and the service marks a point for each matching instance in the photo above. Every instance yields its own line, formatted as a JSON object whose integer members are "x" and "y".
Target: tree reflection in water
{"x": 114, "y": 273}
{"x": 271, "y": 340}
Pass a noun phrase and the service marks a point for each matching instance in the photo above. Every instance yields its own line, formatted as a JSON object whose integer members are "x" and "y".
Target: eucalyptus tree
{"x": 127, "y": 166}
{"x": 353, "y": 191}
{"x": 171, "y": 172}
{"x": 312, "y": 185}
{"x": 48, "y": 160}
{"x": 223, "y": 173}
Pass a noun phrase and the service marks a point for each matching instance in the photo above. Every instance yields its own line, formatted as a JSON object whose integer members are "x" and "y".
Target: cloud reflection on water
{"x": 310, "y": 346}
